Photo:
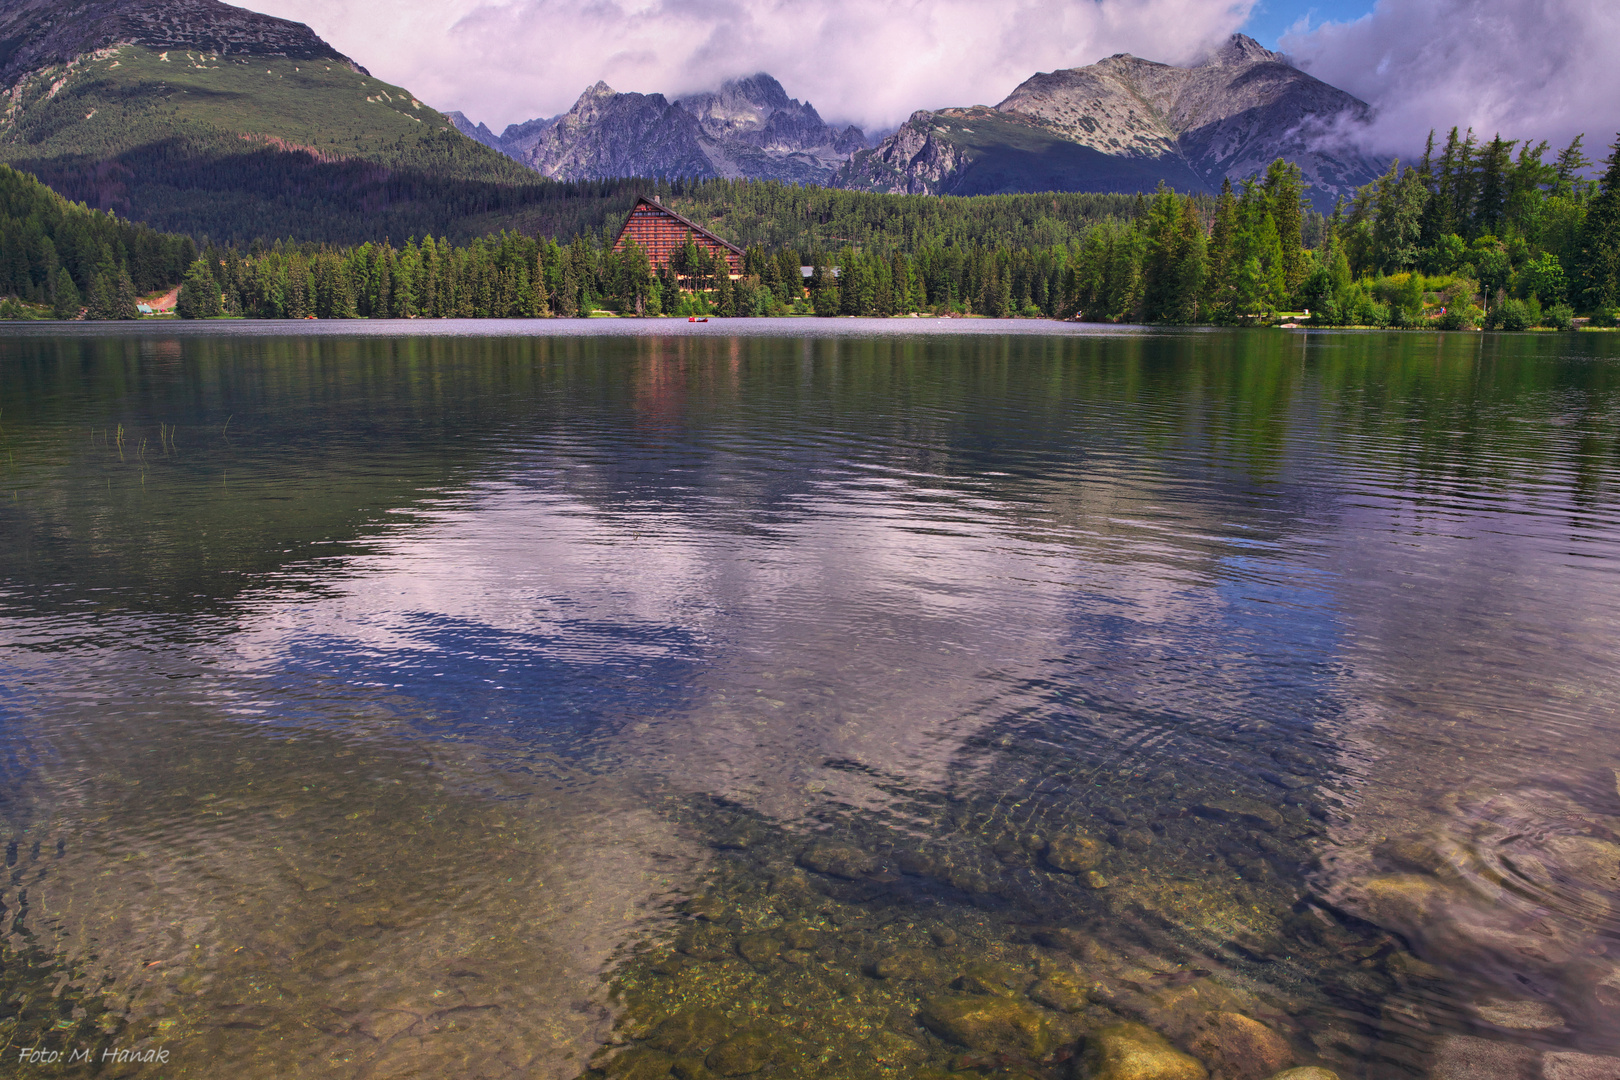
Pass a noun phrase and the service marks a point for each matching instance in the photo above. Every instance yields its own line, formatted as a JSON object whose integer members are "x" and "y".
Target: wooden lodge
{"x": 661, "y": 232}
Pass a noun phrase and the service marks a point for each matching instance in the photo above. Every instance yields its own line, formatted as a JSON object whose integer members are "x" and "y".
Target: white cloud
{"x": 871, "y": 62}
{"x": 1529, "y": 69}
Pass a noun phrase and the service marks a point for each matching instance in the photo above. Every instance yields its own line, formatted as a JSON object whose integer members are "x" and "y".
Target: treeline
{"x": 775, "y": 216}
{"x": 1528, "y": 235}
{"x": 62, "y": 255}
{"x": 514, "y": 276}
{"x": 1473, "y": 235}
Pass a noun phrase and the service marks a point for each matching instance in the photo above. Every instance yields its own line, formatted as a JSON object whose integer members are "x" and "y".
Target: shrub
{"x": 1508, "y": 315}
{"x": 1559, "y": 317}
{"x": 1462, "y": 315}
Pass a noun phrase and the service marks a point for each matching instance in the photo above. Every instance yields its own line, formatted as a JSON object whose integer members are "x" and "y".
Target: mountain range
{"x": 748, "y": 128}
{"x": 1122, "y": 124}
{"x": 200, "y": 117}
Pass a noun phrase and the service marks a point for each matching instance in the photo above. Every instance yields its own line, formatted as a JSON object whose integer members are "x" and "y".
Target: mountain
{"x": 39, "y": 33}
{"x": 1124, "y": 124}
{"x": 198, "y": 117}
{"x": 748, "y": 128}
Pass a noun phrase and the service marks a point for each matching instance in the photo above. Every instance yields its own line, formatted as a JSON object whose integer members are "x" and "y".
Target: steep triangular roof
{"x": 688, "y": 222}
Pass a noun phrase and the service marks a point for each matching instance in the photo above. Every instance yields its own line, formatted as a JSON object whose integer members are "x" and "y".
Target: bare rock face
{"x": 747, "y": 128}
{"x": 1228, "y": 116}
{"x": 607, "y": 134}
{"x": 37, "y": 33}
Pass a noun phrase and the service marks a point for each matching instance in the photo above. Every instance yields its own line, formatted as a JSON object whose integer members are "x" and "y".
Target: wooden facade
{"x": 661, "y": 232}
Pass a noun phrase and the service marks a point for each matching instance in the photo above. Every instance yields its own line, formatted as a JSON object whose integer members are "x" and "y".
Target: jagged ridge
{"x": 747, "y": 128}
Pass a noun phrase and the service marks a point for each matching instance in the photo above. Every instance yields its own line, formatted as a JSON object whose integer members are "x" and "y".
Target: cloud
{"x": 870, "y": 62}
{"x": 1529, "y": 69}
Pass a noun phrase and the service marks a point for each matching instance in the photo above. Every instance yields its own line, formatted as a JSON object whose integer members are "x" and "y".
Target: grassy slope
{"x": 237, "y": 148}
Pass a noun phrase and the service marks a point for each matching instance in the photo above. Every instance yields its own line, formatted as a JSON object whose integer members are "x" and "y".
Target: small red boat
{"x": 694, "y": 318}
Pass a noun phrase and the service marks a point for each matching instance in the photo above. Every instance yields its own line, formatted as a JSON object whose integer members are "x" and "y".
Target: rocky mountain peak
{"x": 1126, "y": 122}
{"x": 1240, "y": 49}
{"x": 38, "y": 33}
{"x": 748, "y": 127}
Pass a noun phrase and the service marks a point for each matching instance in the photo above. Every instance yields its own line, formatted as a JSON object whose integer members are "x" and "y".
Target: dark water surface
{"x": 879, "y": 699}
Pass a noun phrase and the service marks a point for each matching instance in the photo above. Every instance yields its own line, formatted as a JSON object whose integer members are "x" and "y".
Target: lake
{"x": 807, "y": 698}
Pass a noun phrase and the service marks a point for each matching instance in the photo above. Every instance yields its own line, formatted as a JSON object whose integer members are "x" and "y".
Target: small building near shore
{"x": 661, "y": 232}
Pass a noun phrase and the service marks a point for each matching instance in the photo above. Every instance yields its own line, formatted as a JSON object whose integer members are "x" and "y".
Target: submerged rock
{"x": 1403, "y": 901}
{"x": 1519, "y": 1015}
{"x": 1242, "y": 811}
{"x": 909, "y": 964}
{"x": 639, "y": 1064}
{"x": 759, "y": 948}
{"x": 990, "y": 1023}
{"x": 1566, "y": 1065}
{"x": 1134, "y": 1052}
{"x": 742, "y": 1054}
{"x": 1464, "y": 1057}
{"x": 686, "y": 1032}
{"x": 1073, "y": 853}
{"x": 1235, "y": 1046}
{"x": 1309, "y": 1072}
{"x": 839, "y": 860}
{"x": 1062, "y": 991}
{"x": 990, "y": 977}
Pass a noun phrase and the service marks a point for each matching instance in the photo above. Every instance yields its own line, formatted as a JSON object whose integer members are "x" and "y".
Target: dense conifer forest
{"x": 1487, "y": 234}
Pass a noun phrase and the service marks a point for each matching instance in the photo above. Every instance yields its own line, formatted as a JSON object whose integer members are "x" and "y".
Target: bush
{"x": 1463, "y": 315}
{"x": 1508, "y": 315}
{"x": 1559, "y": 317}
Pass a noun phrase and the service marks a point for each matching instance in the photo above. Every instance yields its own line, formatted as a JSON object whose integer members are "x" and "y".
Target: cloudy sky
{"x": 1525, "y": 67}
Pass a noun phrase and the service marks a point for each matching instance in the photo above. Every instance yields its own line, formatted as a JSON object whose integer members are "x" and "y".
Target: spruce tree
{"x": 1599, "y": 254}
{"x": 199, "y": 293}
{"x": 1285, "y": 192}
{"x": 1571, "y": 163}
{"x": 1217, "y": 303}
{"x": 64, "y": 295}
{"x": 124, "y": 297}
{"x": 103, "y": 296}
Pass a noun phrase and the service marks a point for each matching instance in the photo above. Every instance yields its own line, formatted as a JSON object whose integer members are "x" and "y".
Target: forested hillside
{"x": 53, "y": 252}
{"x": 236, "y": 148}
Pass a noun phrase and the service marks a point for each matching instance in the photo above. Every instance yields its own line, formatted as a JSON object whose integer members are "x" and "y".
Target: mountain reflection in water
{"x": 859, "y": 703}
